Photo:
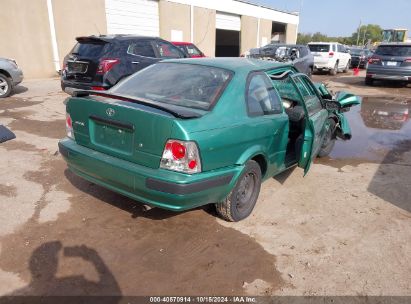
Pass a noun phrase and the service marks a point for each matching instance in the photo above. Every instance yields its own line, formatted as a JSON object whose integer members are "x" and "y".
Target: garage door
{"x": 138, "y": 17}
{"x": 226, "y": 21}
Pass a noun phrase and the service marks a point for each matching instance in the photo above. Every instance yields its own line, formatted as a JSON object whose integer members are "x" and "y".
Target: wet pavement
{"x": 381, "y": 124}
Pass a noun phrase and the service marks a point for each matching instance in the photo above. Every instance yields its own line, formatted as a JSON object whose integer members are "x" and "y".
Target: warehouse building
{"x": 39, "y": 33}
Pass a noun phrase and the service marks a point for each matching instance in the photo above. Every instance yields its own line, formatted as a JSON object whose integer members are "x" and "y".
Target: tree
{"x": 367, "y": 32}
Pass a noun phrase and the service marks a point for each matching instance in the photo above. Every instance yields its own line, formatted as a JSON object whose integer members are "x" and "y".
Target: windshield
{"x": 186, "y": 85}
{"x": 319, "y": 48}
{"x": 393, "y": 50}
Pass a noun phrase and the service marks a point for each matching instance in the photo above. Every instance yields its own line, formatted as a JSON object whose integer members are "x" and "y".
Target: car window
{"x": 192, "y": 50}
{"x": 167, "y": 50}
{"x": 394, "y": 50}
{"x": 88, "y": 49}
{"x": 286, "y": 89}
{"x": 322, "y": 48}
{"x": 262, "y": 99}
{"x": 141, "y": 48}
{"x": 178, "y": 84}
{"x": 311, "y": 100}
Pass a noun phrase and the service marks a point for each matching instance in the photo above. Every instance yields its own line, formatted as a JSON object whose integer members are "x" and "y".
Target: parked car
{"x": 330, "y": 56}
{"x": 299, "y": 55}
{"x": 10, "y": 76}
{"x": 185, "y": 133}
{"x": 99, "y": 62}
{"x": 360, "y": 57}
{"x": 189, "y": 49}
{"x": 391, "y": 61}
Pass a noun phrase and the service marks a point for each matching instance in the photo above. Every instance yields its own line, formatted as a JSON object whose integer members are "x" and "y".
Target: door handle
{"x": 135, "y": 62}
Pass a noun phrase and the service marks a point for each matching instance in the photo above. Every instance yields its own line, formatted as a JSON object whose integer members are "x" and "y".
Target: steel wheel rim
{"x": 4, "y": 87}
{"x": 246, "y": 191}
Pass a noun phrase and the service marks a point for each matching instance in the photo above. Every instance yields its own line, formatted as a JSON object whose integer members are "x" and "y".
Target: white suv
{"x": 330, "y": 56}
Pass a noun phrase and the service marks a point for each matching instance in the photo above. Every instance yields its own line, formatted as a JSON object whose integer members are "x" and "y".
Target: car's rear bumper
{"x": 67, "y": 84}
{"x": 156, "y": 187}
{"x": 16, "y": 76}
{"x": 383, "y": 73}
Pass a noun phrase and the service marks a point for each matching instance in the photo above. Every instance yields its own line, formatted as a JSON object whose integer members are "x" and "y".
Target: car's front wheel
{"x": 5, "y": 86}
{"x": 328, "y": 141}
{"x": 241, "y": 201}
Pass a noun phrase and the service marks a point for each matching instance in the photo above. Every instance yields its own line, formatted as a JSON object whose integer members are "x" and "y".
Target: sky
{"x": 342, "y": 17}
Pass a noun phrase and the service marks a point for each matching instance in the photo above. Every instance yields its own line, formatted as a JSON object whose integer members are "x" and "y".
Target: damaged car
{"x": 299, "y": 55}
{"x": 186, "y": 133}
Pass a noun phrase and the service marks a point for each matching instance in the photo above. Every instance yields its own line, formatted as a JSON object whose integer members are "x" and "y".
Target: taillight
{"x": 182, "y": 156}
{"x": 331, "y": 54}
{"x": 408, "y": 60}
{"x": 69, "y": 126}
{"x": 373, "y": 60}
{"x": 97, "y": 88}
{"x": 106, "y": 65}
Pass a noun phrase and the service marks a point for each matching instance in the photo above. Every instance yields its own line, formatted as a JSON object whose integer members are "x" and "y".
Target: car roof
{"x": 396, "y": 44}
{"x": 181, "y": 43}
{"x": 284, "y": 45}
{"x": 235, "y": 64}
{"x": 324, "y": 42}
{"x": 117, "y": 37}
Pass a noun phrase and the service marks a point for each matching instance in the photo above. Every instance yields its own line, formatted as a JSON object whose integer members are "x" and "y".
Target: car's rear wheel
{"x": 347, "y": 67}
{"x": 369, "y": 81}
{"x": 328, "y": 141}
{"x": 5, "y": 86}
{"x": 241, "y": 201}
{"x": 334, "y": 70}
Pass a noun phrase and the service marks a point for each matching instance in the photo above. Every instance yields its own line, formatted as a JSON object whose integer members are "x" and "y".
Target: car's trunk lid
{"x": 122, "y": 129}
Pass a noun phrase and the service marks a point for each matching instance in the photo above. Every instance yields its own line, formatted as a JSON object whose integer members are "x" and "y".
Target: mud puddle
{"x": 379, "y": 126}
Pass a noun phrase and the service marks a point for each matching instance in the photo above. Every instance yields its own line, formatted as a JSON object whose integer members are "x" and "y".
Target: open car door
{"x": 316, "y": 117}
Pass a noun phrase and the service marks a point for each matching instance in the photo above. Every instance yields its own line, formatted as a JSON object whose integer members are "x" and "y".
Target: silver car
{"x": 391, "y": 61}
{"x": 10, "y": 76}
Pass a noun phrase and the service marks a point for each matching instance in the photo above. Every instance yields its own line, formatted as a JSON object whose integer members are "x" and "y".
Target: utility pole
{"x": 363, "y": 39}
{"x": 358, "y": 33}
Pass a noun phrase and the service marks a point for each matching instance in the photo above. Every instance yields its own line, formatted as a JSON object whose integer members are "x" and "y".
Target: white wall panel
{"x": 226, "y": 21}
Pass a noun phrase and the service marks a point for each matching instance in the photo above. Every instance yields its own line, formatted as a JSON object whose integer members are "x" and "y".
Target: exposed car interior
{"x": 292, "y": 104}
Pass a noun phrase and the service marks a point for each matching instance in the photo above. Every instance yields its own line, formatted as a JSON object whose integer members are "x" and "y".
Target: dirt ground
{"x": 344, "y": 229}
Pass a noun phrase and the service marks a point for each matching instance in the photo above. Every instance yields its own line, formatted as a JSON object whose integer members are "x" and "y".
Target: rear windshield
{"x": 88, "y": 49}
{"x": 393, "y": 50}
{"x": 357, "y": 52}
{"x": 186, "y": 85}
{"x": 319, "y": 47}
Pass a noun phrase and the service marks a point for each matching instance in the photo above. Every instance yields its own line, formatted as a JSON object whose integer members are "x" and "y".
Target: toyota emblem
{"x": 110, "y": 112}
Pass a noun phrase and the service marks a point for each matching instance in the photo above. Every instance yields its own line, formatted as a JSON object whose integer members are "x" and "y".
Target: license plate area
{"x": 391, "y": 63}
{"x": 79, "y": 67}
{"x": 112, "y": 135}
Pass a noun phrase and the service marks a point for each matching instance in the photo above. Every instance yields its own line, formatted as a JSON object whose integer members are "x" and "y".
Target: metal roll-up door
{"x": 139, "y": 17}
{"x": 225, "y": 21}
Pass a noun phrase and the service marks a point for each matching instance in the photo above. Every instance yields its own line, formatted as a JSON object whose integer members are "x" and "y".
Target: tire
{"x": 347, "y": 67}
{"x": 241, "y": 201}
{"x": 63, "y": 87}
{"x": 369, "y": 81}
{"x": 328, "y": 141}
{"x": 334, "y": 71}
{"x": 5, "y": 86}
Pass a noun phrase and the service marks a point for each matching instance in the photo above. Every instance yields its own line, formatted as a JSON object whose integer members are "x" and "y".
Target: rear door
{"x": 140, "y": 54}
{"x": 82, "y": 62}
{"x": 317, "y": 117}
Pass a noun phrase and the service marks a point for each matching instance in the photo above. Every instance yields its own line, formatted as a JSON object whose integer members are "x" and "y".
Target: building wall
{"x": 291, "y": 33}
{"x": 174, "y": 17}
{"x": 72, "y": 20}
{"x": 25, "y": 35}
{"x": 248, "y": 36}
{"x": 204, "y": 30}
{"x": 265, "y": 32}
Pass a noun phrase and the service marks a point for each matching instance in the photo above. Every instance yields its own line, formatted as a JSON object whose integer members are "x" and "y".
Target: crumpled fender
{"x": 343, "y": 129}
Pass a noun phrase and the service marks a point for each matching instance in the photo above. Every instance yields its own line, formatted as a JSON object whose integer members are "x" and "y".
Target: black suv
{"x": 99, "y": 62}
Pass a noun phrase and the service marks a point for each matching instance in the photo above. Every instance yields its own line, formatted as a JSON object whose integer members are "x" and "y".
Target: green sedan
{"x": 186, "y": 133}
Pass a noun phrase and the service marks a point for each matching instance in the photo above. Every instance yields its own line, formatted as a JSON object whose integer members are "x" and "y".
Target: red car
{"x": 190, "y": 49}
